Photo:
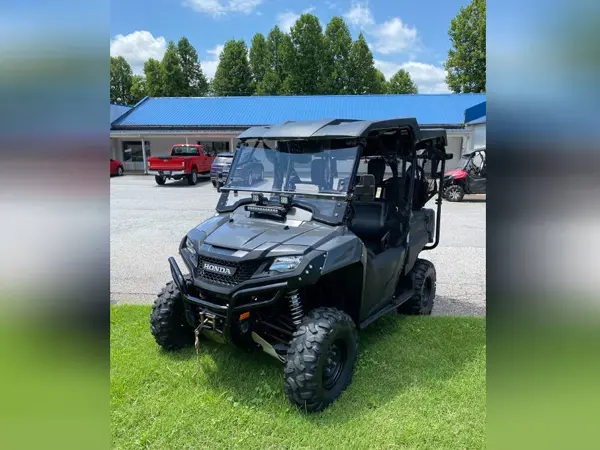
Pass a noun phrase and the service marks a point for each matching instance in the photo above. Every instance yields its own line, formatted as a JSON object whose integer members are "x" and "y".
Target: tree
{"x": 259, "y": 59}
{"x": 155, "y": 77}
{"x": 467, "y": 59}
{"x": 194, "y": 81}
{"x": 402, "y": 83}
{"x": 338, "y": 43}
{"x": 306, "y": 63}
{"x": 362, "y": 78}
{"x": 233, "y": 76}
{"x": 120, "y": 80}
{"x": 138, "y": 88}
{"x": 381, "y": 85}
{"x": 276, "y": 43}
{"x": 174, "y": 82}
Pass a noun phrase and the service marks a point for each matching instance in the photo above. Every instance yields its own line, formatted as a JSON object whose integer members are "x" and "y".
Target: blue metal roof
{"x": 475, "y": 112}
{"x": 117, "y": 111}
{"x": 428, "y": 109}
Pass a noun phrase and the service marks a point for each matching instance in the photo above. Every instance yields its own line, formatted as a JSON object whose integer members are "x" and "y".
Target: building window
{"x": 132, "y": 151}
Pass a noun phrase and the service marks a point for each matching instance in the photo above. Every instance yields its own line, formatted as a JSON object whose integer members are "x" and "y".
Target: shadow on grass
{"x": 395, "y": 353}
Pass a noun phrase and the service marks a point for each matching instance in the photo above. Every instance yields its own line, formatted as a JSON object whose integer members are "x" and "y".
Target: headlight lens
{"x": 190, "y": 247}
{"x": 285, "y": 264}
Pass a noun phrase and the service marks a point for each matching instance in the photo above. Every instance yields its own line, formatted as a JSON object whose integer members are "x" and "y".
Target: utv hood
{"x": 252, "y": 234}
{"x": 456, "y": 174}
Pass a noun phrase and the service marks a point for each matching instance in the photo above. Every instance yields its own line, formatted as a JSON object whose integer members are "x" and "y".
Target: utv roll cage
{"x": 399, "y": 142}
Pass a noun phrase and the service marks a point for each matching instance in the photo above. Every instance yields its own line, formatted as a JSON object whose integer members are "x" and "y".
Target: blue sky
{"x": 402, "y": 34}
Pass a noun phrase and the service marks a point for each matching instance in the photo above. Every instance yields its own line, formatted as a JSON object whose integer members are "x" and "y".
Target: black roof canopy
{"x": 328, "y": 128}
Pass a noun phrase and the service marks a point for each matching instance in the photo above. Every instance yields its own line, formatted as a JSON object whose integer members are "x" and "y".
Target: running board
{"x": 396, "y": 302}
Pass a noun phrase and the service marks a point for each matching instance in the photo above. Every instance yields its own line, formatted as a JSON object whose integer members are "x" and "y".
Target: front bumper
{"x": 167, "y": 173}
{"x": 221, "y": 176}
{"x": 235, "y": 305}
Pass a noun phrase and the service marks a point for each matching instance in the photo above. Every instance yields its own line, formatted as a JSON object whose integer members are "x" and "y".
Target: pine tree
{"x": 138, "y": 89}
{"x": 259, "y": 60}
{"x": 194, "y": 81}
{"x": 155, "y": 78}
{"x": 338, "y": 43}
{"x": 381, "y": 86}
{"x": 402, "y": 83}
{"x": 362, "y": 77}
{"x": 174, "y": 83}
{"x": 306, "y": 68}
{"x": 466, "y": 64}
{"x": 233, "y": 76}
{"x": 121, "y": 78}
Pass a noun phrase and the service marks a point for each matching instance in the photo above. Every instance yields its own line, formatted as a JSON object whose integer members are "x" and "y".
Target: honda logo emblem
{"x": 223, "y": 270}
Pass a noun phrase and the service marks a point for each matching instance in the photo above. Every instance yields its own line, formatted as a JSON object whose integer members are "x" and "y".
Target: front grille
{"x": 243, "y": 271}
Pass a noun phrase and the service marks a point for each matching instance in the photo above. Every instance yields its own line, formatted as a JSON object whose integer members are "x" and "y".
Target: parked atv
{"x": 469, "y": 178}
{"x": 324, "y": 245}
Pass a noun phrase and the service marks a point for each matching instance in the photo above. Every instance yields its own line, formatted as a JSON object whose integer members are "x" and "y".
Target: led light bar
{"x": 277, "y": 210}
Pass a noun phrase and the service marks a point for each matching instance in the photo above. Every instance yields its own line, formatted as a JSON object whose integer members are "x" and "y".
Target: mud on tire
{"x": 424, "y": 280}
{"x": 312, "y": 379}
{"x": 167, "y": 320}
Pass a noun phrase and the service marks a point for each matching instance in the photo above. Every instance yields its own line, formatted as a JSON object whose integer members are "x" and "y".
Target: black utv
{"x": 324, "y": 244}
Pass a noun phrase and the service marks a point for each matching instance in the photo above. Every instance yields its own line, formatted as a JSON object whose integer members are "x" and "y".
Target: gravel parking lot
{"x": 148, "y": 221}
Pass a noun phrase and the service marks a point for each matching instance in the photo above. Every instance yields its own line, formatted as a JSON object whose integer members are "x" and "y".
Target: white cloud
{"x": 287, "y": 19}
{"x": 429, "y": 79}
{"x": 217, "y": 8}
{"x": 137, "y": 48}
{"x": 359, "y": 15}
{"x": 244, "y": 6}
{"x": 209, "y": 66}
{"x": 393, "y": 36}
{"x": 216, "y": 51}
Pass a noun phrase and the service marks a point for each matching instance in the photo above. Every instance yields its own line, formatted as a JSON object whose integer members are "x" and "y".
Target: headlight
{"x": 285, "y": 263}
{"x": 190, "y": 247}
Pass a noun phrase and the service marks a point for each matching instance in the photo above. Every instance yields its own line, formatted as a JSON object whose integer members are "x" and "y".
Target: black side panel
{"x": 381, "y": 277}
{"x": 422, "y": 225}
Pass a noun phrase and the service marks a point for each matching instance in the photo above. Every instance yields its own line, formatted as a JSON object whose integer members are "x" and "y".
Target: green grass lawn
{"x": 419, "y": 383}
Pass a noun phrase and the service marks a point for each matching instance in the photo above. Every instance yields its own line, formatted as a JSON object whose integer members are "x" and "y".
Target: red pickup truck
{"x": 185, "y": 160}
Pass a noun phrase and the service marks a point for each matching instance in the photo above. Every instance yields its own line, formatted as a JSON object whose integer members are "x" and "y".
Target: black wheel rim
{"x": 335, "y": 360}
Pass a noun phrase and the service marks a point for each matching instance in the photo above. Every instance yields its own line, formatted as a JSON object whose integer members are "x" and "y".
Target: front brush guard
{"x": 230, "y": 308}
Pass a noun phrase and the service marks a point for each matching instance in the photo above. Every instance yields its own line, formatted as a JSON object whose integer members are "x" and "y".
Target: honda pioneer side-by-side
{"x": 469, "y": 178}
{"x": 325, "y": 242}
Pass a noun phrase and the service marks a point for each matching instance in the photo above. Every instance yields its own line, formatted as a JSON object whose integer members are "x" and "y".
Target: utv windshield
{"x": 320, "y": 168}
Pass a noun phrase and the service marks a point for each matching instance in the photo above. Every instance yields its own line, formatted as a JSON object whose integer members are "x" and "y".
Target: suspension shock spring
{"x": 295, "y": 306}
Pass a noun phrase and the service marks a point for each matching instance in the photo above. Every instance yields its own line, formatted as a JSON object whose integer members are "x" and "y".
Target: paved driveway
{"x": 148, "y": 221}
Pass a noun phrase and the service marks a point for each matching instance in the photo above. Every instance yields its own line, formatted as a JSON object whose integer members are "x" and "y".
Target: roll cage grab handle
{"x": 439, "y": 205}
